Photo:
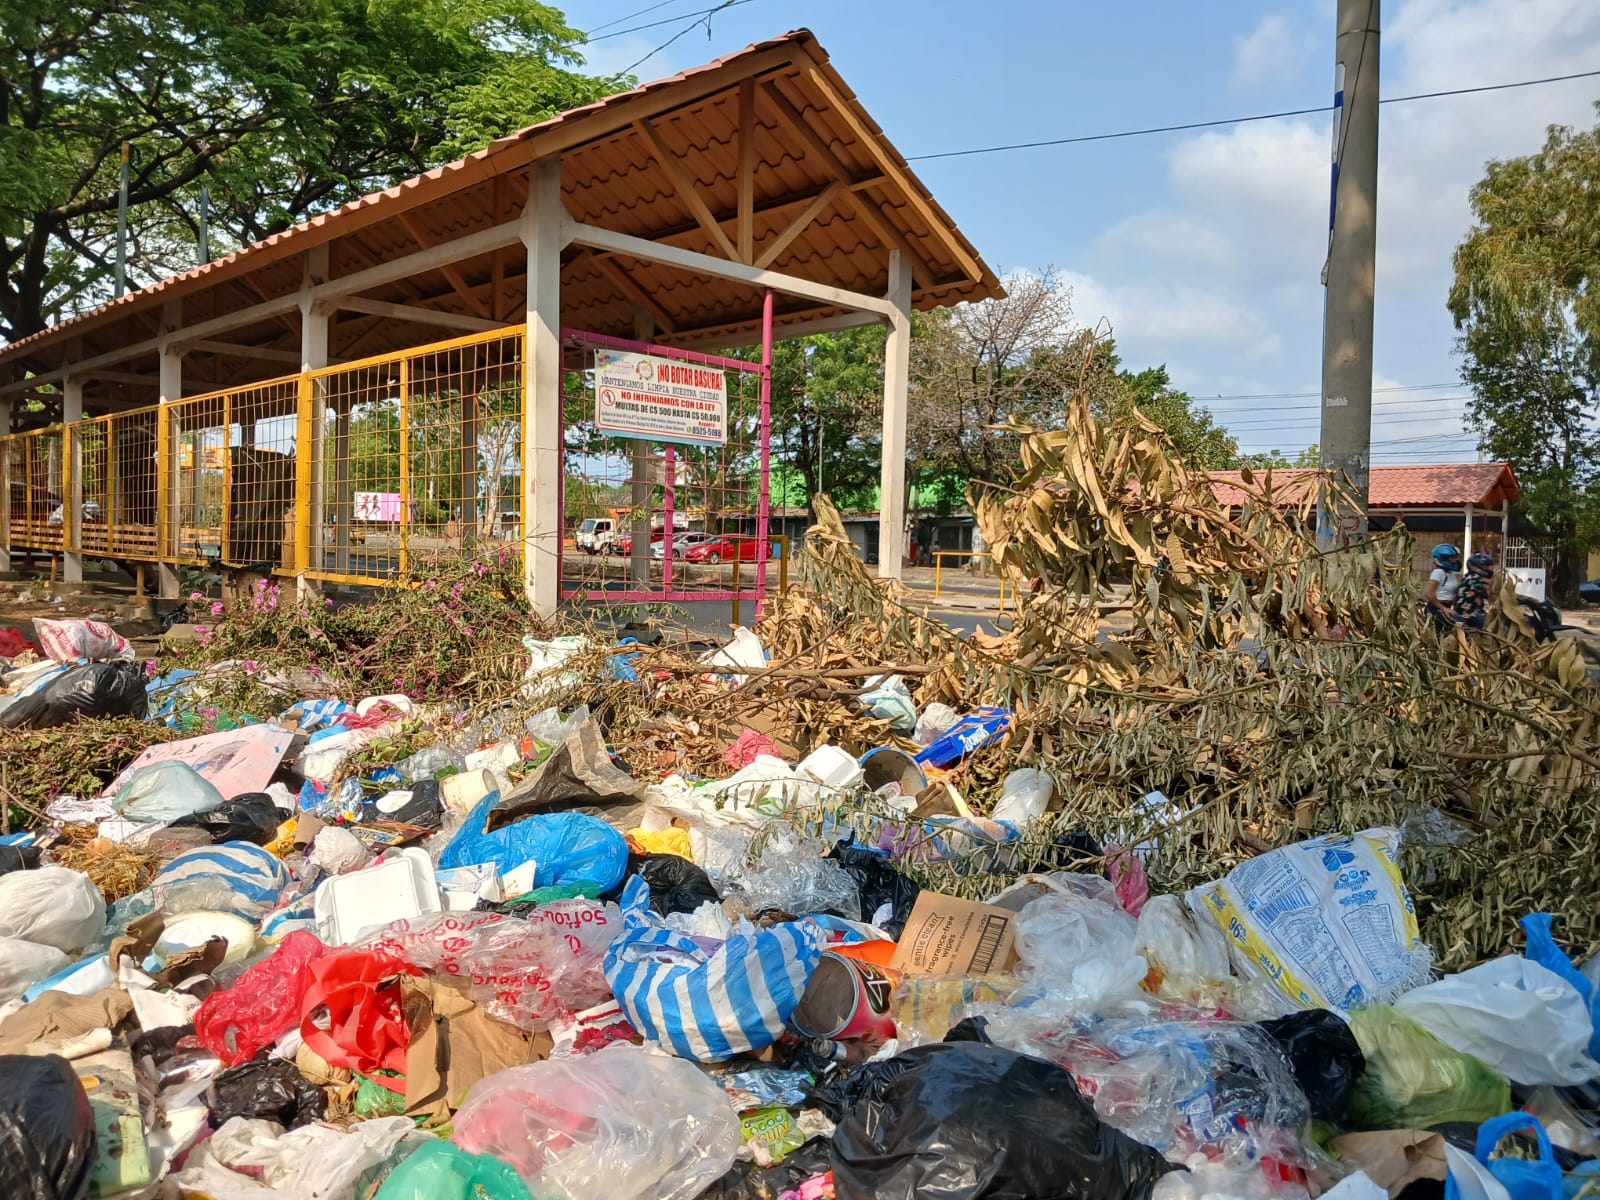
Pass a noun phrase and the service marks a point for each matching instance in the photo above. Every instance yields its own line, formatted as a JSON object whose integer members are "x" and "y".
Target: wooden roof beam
{"x": 683, "y": 184}
{"x": 448, "y": 270}
{"x": 629, "y": 285}
{"x": 780, "y": 243}
{"x": 420, "y": 316}
{"x": 240, "y": 350}
{"x": 747, "y": 170}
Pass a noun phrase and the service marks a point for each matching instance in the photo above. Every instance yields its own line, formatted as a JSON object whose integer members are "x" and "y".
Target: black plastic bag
{"x": 47, "y": 1139}
{"x": 102, "y": 689}
{"x": 676, "y": 884}
{"x": 266, "y": 1088}
{"x": 747, "y": 1181}
{"x": 248, "y": 817}
{"x": 879, "y": 884}
{"x": 18, "y": 858}
{"x": 1324, "y": 1056}
{"x": 964, "y": 1120}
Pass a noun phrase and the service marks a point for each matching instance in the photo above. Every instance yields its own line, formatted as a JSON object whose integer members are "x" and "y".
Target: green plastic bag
{"x": 444, "y": 1171}
{"x": 1414, "y": 1081}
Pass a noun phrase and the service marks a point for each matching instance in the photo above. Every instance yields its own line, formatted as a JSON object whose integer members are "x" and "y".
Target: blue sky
{"x": 1201, "y": 250}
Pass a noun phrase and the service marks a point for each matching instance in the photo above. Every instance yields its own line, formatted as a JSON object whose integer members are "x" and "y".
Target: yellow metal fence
{"x": 342, "y": 473}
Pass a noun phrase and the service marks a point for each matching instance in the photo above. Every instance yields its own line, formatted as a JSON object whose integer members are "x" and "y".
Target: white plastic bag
{"x": 1079, "y": 950}
{"x": 25, "y": 963}
{"x": 1517, "y": 1017}
{"x": 70, "y": 639}
{"x": 166, "y": 791}
{"x": 1473, "y": 1180}
{"x": 52, "y": 906}
{"x": 935, "y": 719}
{"x": 890, "y": 699}
{"x": 622, "y": 1123}
{"x": 337, "y": 851}
{"x": 247, "y": 1159}
{"x": 1024, "y": 796}
{"x": 547, "y": 726}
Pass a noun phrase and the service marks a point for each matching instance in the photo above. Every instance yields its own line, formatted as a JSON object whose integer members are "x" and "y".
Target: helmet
{"x": 1481, "y": 563}
{"x": 1447, "y": 556}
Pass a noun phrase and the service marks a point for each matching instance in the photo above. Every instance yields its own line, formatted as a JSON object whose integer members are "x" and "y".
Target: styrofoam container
{"x": 832, "y": 767}
{"x": 402, "y": 885}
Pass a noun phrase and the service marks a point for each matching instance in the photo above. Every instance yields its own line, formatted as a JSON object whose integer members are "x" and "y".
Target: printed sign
{"x": 376, "y": 506}
{"x": 661, "y": 399}
{"x": 1529, "y": 581}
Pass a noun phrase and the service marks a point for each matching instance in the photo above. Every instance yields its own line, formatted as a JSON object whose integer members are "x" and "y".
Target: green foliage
{"x": 286, "y": 108}
{"x": 1194, "y": 431}
{"x": 1524, "y": 301}
{"x": 1311, "y": 456}
{"x": 827, "y": 407}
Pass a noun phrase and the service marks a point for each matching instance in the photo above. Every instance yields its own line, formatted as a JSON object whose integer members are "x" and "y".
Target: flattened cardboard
{"x": 950, "y": 936}
{"x": 235, "y": 761}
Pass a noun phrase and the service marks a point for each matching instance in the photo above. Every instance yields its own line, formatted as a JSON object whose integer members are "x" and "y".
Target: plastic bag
{"x": 889, "y": 699}
{"x": 886, "y": 895}
{"x": 1523, "y": 1179}
{"x": 1024, "y": 796}
{"x": 1188, "y": 960}
{"x": 247, "y": 1159}
{"x": 566, "y": 847}
{"x": 69, "y": 640}
{"x": 262, "y": 1005}
{"x": 1543, "y": 950}
{"x": 750, "y": 1181}
{"x": 52, "y": 906}
{"x": 251, "y": 817}
{"x": 548, "y": 728}
{"x": 166, "y": 792}
{"x": 18, "y": 857}
{"x": 621, "y": 1123}
{"x": 351, "y": 1014}
{"x": 337, "y": 851}
{"x": 92, "y": 690}
{"x": 1080, "y": 950}
{"x": 234, "y": 877}
{"x": 935, "y": 719}
{"x": 1414, "y": 1081}
{"x": 528, "y": 973}
{"x": 708, "y": 1004}
{"x": 1325, "y": 1057}
{"x": 23, "y": 963}
{"x": 677, "y": 885}
{"x": 1329, "y": 920}
{"x": 444, "y": 1171}
{"x": 47, "y": 1129}
{"x": 963, "y": 1120}
{"x": 1516, "y": 1017}
{"x": 790, "y": 877}
{"x": 268, "y": 1089}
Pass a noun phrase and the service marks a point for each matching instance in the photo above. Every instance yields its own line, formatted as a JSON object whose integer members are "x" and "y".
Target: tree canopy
{"x": 1525, "y": 304}
{"x": 285, "y": 108}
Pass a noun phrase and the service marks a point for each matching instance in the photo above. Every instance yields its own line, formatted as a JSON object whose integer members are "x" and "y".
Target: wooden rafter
{"x": 619, "y": 275}
{"x": 683, "y": 184}
{"x": 747, "y": 170}
{"x": 450, "y": 271}
{"x": 777, "y": 245}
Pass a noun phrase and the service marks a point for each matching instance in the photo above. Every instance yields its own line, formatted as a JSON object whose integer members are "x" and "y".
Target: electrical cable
{"x": 619, "y": 20}
{"x": 1272, "y": 116}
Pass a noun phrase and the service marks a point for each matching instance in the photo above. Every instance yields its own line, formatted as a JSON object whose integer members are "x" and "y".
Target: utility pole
{"x": 122, "y": 222}
{"x": 1346, "y": 442}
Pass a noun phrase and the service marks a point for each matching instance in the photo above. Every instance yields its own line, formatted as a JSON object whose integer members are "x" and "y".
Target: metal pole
{"x": 764, "y": 500}
{"x": 122, "y": 223}
{"x": 205, "y": 223}
{"x": 1346, "y": 438}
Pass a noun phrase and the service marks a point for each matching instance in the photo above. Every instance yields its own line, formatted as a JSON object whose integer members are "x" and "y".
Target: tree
{"x": 827, "y": 414}
{"x": 286, "y": 108}
{"x": 1311, "y": 457}
{"x": 1194, "y": 431}
{"x": 1525, "y": 303}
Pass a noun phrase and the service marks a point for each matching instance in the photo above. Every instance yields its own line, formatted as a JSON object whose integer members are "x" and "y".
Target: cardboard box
{"x": 950, "y": 936}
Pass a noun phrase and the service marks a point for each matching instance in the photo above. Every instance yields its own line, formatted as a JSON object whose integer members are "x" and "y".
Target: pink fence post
{"x": 763, "y": 506}
{"x": 669, "y": 458}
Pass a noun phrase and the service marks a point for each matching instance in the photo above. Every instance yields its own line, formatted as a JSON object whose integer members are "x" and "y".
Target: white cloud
{"x": 1275, "y": 51}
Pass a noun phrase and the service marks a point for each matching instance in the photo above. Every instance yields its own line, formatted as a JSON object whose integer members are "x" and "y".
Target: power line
{"x": 618, "y": 21}
{"x": 704, "y": 16}
{"x": 1272, "y": 116}
{"x": 1409, "y": 387}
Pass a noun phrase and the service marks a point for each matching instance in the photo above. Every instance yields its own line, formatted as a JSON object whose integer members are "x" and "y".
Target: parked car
{"x": 1589, "y": 592}
{"x": 682, "y": 544}
{"x": 594, "y": 534}
{"x": 724, "y": 549}
{"x": 624, "y": 545}
{"x": 91, "y": 512}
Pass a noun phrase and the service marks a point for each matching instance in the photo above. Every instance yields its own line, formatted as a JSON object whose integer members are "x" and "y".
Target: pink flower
{"x": 149, "y": 668}
{"x": 202, "y": 630}
{"x": 251, "y": 665}
{"x": 327, "y": 602}
{"x": 216, "y": 608}
{"x": 196, "y": 596}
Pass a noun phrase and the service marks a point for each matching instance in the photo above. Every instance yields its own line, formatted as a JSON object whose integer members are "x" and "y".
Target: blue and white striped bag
{"x": 234, "y": 877}
{"x": 708, "y": 1005}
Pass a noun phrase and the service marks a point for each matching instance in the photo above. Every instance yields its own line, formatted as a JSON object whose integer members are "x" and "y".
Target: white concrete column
{"x": 896, "y": 384}
{"x": 1466, "y": 535}
{"x": 644, "y": 328}
{"x": 5, "y": 484}
{"x": 314, "y": 328}
{"x": 72, "y": 501}
{"x": 171, "y": 383}
{"x": 543, "y": 219}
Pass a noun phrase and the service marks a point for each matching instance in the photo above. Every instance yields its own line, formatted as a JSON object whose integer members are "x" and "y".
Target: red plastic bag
{"x": 70, "y": 639}
{"x": 351, "y": 1013}
{"x": 13, "y": 643}
{"x": 262, "y": 1005}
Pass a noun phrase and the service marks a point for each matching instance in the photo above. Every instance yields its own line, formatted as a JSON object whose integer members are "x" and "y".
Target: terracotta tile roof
{"x": 1436, "y": 485}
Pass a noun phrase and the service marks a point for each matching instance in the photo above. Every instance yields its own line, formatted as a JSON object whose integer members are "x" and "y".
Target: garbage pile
{"x": 391, "y": 946}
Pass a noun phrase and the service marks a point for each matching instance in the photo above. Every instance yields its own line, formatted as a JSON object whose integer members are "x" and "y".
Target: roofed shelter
{"x": 672, "y": 214}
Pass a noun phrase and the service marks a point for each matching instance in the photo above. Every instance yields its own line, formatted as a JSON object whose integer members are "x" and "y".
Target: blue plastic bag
{"x": 567, "y": 847}
{"x": 701, "y": 1000}
{"x": 1537, "y": 1179}
{"x": 977, "y": 729}
{"x": 1543, "y": 950}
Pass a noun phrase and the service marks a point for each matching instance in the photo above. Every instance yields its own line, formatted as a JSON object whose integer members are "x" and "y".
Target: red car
{"x": 624, "y": 545}
{"x": 725, "y": 549}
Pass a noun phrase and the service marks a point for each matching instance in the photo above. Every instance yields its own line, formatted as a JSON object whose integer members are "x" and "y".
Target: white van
{"x": 595, "y": 534}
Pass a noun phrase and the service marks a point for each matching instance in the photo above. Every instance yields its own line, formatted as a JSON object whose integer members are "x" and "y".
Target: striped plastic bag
{"x": 233, "y": 877}
{"x": 702, "y": 1003}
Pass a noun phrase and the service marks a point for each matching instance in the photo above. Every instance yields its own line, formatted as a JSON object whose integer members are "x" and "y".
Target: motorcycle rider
{"x": 1472, "y": 598}
{"x": 1444, "y": 583}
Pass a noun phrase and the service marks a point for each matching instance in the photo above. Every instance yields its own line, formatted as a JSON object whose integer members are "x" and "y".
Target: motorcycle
{"x": 1544, "y": 616}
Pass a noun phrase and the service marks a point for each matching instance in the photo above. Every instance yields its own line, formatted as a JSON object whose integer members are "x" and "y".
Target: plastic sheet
{"x": 1080, "y": 950}
{"x": 791, "y": 877}
{"x": 549, "y": 728}
{"x": 262, "y": 1005}
{"x": 960, "y": 1121}
{"x": 567, "y": 847}
{"x": 1513, "y": 1015}
{"x": 1414, "y": 1081}
{"x": 314, "y": 1162}
{"x": 1188, "y": 961}
{"x": 23, "y": 963}
{"x": 529, "y": 973}
{"x": 621, "y": 1123}
{"x": 444, "y": 1171}
{"x": 269, "y": 1089}
{"x": 47, "y": 1130}
{"x": 52, "y": 906}
{"x": 166, "y": 792}
{"x": 1324, "y": 1055}
{"x": 92, "y": 690}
